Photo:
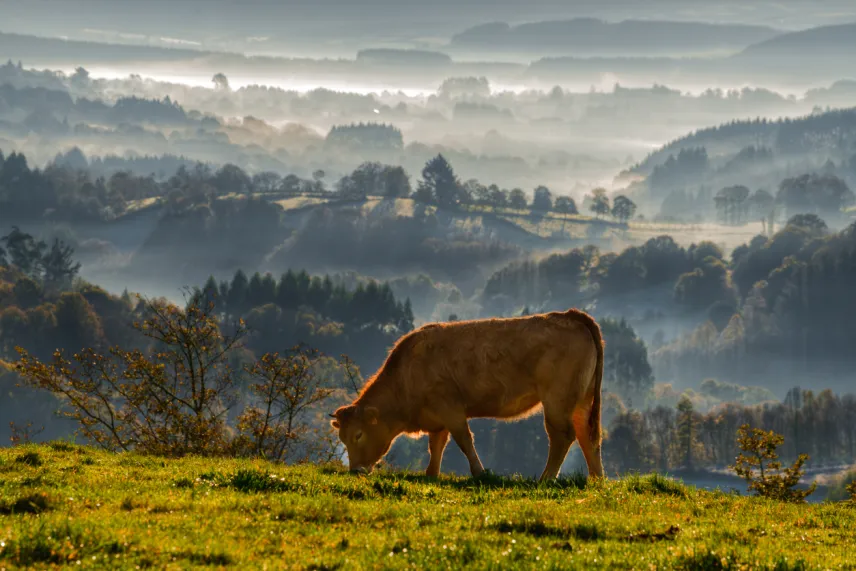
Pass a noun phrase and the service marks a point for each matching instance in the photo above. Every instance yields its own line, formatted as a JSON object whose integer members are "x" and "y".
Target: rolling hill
{"x": 824, "y": 41}
{"x": 589, "y": 36}
{"x": 831, "y": 129}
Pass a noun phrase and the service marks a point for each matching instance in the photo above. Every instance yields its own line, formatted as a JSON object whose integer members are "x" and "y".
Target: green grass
{"x": 64, "y": 504}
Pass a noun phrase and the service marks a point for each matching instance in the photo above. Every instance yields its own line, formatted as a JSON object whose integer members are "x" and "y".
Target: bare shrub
{"x": 173, "y": 396}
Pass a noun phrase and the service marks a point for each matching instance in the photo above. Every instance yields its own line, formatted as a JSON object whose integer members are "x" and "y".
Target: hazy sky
{"x": 233, "y": 24}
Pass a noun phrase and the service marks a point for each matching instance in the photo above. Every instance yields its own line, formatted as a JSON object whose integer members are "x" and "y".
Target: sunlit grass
{"x": 296, "y": 202}
{"x": 134, "y": 205}
{"x": 64, "y": 504}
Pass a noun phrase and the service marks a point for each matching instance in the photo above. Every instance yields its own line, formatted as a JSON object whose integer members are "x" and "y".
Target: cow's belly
{"x": 504, "y": 406}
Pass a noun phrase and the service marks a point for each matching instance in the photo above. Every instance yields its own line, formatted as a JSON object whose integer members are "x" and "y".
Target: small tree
{"x": 759, "y": 465}
{"x": 600, "y": 202}
{"x": 623, "y": 208}
{"x": 395, "y": 182}
{"x": 565, "y": 205}
{"x": 542, "y": 200}
{"x": 687, "y": 451}
{"x": 318, "y": 181}
{"x": 221, "y": 82}
{"x": 517, "y": 199}
{"x": 497, "y": 197}
{"x": 275, "y": 426}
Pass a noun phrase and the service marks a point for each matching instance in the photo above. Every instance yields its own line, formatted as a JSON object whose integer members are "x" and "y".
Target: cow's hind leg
{"x": 561, "y": 433}
{"x": 436, "y": 445}
{"x": 460, "y": 430}
{"x": 591, "y": 450}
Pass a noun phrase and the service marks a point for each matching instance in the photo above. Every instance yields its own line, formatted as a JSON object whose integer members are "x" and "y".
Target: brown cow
{"x": 440, "y": 375}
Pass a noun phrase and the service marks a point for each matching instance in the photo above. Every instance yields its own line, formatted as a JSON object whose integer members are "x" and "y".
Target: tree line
{"x": 69, "y": 189}
{"x": 369, "y": 302}
{"x": 698, "y": 274}
{"x": 824, "y": 195}
{"x": 820, "y": 424}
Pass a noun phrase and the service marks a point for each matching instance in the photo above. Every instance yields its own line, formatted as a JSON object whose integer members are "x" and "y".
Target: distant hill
{"x": 589, "y": 36}
{"x": 385, "y": 56}
{"x": 17, "y": 46}
{"x": 837, "y": 41}
{"x": 818, "y": 132}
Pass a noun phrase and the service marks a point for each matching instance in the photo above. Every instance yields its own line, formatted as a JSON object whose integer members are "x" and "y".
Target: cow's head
{"x": 364, "y": 433}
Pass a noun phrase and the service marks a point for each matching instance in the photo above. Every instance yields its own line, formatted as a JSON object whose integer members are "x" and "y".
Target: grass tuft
{"x": 209, "y": 559}
{"x": 30, "y": 458}
{"x": 655, "y": 484}
{"x": 65, "y": 446}
{"x": 29, "y": 504}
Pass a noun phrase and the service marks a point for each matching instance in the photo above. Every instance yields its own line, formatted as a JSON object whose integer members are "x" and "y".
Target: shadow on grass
{"x": 715, "y": 562}
{"x": 537, "y": 528}
{"x": 488, "y": 480}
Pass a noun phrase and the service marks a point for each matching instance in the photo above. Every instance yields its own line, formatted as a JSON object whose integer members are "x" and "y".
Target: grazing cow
{"x": 440, "y": 375}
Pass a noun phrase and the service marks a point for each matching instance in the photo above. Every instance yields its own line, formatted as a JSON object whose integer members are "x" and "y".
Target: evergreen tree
{"x": 439, "y": 179}
{"x": 267, "y": 293}
{"x": 407, "y": 319}
{"x": 210, "y": 291}
{"x": 254, "y": 291}
{"x": 287, "y": 295}
{"x": 303, "y": 281}
{"x": 238, "y": 293}
{"x": 688, "y": 452}
{"x": 316, "y": 296}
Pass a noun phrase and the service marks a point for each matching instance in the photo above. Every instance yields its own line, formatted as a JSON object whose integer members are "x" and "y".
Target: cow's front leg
{"x": 436, "y": 445}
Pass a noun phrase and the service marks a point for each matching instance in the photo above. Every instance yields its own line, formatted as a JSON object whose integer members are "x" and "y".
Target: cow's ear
{"x": 335, "y": 423}
{"x": 371, "y": 413}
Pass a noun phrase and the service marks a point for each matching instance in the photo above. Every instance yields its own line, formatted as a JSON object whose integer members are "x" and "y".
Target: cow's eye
{"x": 358, "y": 436}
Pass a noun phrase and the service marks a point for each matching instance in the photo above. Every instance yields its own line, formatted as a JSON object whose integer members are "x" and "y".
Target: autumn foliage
{"x": 177, "y": 394}
{"x": 759, "y": 465}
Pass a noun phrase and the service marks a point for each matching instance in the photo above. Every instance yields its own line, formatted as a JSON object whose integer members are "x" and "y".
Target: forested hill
{"x": 588, "y": 35}
{"x": 817, "y": 42}
{"x": 818, "y": 131}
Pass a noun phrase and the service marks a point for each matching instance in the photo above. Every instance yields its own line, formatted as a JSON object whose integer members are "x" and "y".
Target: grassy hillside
{"x": 66, "y": 504}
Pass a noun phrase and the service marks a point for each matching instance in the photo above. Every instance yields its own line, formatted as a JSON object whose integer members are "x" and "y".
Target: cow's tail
{"x": 595, "y": 432}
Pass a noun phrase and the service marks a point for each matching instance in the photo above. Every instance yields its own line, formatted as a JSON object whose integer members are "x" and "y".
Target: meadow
{"x": 63, "y": 504}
